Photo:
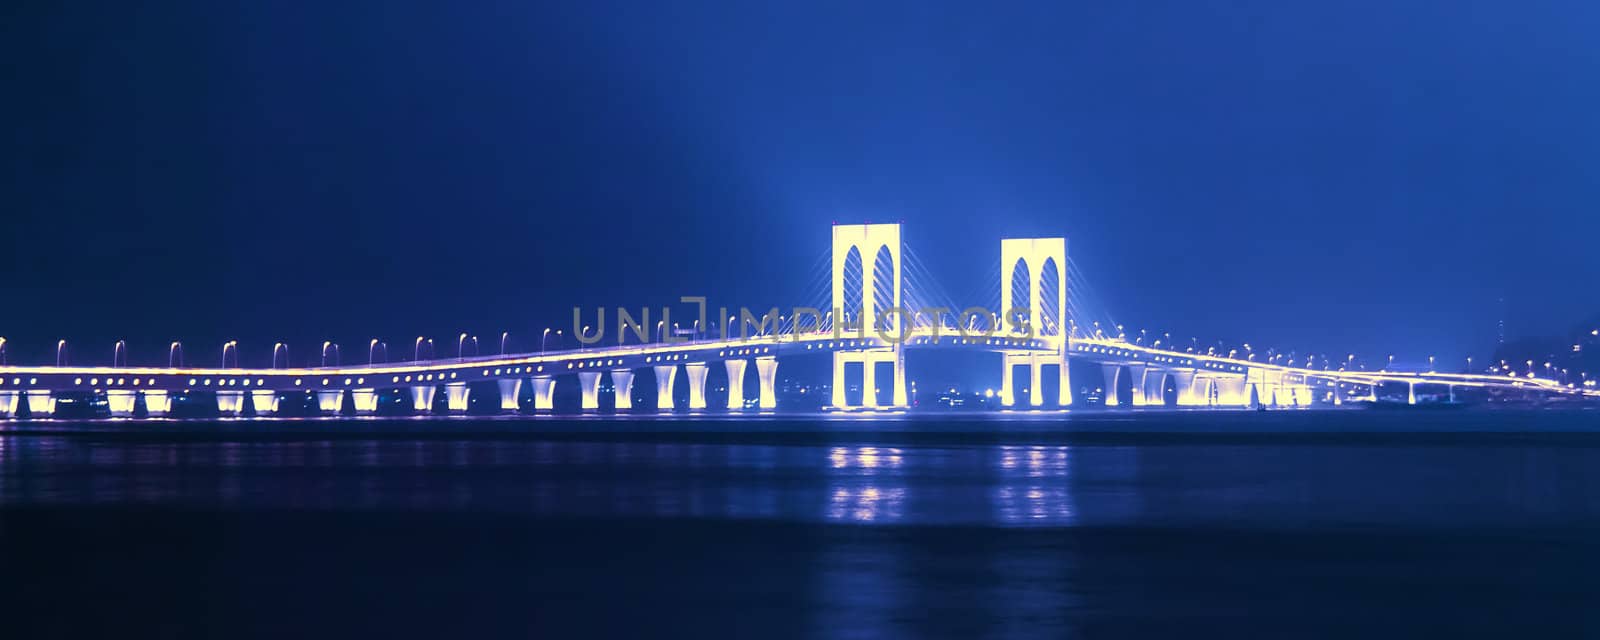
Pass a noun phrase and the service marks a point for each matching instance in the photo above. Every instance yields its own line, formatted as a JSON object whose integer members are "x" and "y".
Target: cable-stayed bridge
{"x": 870, "y": 316}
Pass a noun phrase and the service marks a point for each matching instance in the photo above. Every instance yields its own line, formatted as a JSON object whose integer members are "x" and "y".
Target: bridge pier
{"x": 41, "y": 404}
{"x": 1008, "y": 381}
{"x": 1140, "y": 376}
{"x": 665, "y": 375}
{"x": 1153, "y": 387}
{"x": 736, "y": 383}
{"x": 422, "y": 398}
{"x": 1111, "y": 372}
{"x": 1231, "y": 391}
{"x": 230, "y": 403}
{"x": 457, "y": 396}
{"x": 1268, "y": 387}
{"x": 157, "y": 403}
{"x": 1205, "y": 390}
{"x": 1035, "y": 362}
{"x": 1411, "y": 393}
{"x": 265, "y": 402}
{"x": 122, "y": 402}
{"x": 510, "y": 394}
{"x": 365, "y": 400}
{"x": 1303, "y": 395}
{"x": 767, "y": 370}
{"x": 696, "y": 374}
{"x": 330, "y": 401}
{"x": 589, "y": 384}
{"x": 1183, "y": 381}
{"x": 544, "y": 393}
{"x": 622, "y": 382}
{"x": 869, "y": 360}
{"x": 869, "y": 384}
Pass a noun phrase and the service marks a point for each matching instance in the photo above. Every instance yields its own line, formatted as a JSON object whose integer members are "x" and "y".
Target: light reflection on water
{"x": 887, "y": 484}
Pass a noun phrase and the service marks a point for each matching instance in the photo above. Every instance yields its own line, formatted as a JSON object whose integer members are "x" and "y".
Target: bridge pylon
{"x": 1034, "y": 310}
{"x": 880, "y": 319}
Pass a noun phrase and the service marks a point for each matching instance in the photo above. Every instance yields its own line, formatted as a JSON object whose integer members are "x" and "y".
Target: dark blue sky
{"x": 1356, "y": 176}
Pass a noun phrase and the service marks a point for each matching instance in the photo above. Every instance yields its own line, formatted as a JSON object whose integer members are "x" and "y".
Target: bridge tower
{"x": 872, "y": 244}
{"x": 1045, "y": 317}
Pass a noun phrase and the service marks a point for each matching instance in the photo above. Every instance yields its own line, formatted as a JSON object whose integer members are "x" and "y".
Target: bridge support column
{"x": 366, "y": 401}
{"x": 265, "y": 402}
{"x": 8, "y": 404}
{"x": 736, "y": 383}
{"x": 1303, "y": 395}
{"x": 1008, "y": 382}
{"x": 622, "y": 383}
{"x": 1152, "y": 388}
{"x": 1231, "y": 391}
{"x": 1268, "y": 387}
{"x": 696, "y": 372}
{"x": 230, "y": 403}
{"x": 41, "y": 404}
{"x": 1184, "y": 383}
{"x": 510, "y": 394}
{"x": 589, "y": 384}
{"x": 422, "y": 398}
{"x": 1411, "y": 393}
{"x": 1206, "y": 388}
{"x": 1111, "y": 372}
{"x": 836, "y": 398}
{"x": 901, "y": 401}
{"x": 1139, "y": 374}
{"x": 457, "y": 396}
{"x": 666, "y": 374}
{"x": 157, "y": 403}
{"x": 330, "y": 401}
{"x": 1035, "y": 393}
{"x": 767, "y": 369}
{"x": 869, "y": 360}
{"x": 121, "y": 402}
{"x": 544, "y": 393}
{"x": 1065, "y": 378}
{"x": 869, "y": 384}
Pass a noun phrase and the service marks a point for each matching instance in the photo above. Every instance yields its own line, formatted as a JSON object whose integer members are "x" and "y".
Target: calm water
{"x": 1288, "y": 524}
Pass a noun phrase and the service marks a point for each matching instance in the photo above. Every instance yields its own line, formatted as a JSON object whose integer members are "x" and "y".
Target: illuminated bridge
{"x": 868, "y": 322}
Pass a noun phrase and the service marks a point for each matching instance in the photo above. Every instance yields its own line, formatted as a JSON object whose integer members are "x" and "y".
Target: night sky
{"x": 1367, "y": 177}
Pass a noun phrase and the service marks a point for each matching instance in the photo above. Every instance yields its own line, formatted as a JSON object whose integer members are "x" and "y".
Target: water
{"x": 1289, "y": 524}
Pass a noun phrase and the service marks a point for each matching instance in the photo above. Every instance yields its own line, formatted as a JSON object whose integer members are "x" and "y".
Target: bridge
{"x": 869, "y": 324}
